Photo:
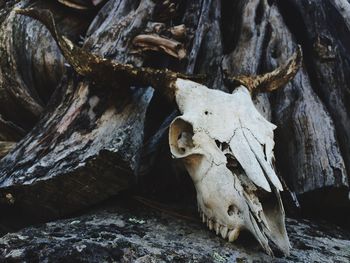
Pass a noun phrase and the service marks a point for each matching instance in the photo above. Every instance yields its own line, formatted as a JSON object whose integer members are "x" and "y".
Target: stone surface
{"x": 128, "y": 231}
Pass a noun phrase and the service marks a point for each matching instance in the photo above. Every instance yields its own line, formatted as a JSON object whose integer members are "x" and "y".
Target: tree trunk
{"x": 80, "y": 142}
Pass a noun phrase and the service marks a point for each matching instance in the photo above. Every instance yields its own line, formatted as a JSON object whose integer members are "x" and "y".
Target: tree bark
{"x": 87, "y": 146}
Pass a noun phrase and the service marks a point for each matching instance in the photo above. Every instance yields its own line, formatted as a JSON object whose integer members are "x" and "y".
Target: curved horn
{"x": 269, "y": 81}
{"x": 106, "y": 72}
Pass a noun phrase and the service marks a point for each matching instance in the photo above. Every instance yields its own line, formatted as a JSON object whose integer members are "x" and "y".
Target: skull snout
{"x": 228, "y": 207}
{"x": 218, "y": 196}
{"x": 220, "y": 212}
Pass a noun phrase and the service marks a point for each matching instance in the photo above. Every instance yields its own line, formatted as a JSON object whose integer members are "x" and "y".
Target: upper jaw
{"x": 226, "y": 232}
{"x": 264, "y": 236}
{"x": 266, "y": 223}
{"x": 231, "y": 234}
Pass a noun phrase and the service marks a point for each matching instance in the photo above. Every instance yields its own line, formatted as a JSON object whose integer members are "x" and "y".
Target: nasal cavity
{"x": 232, "y": 210}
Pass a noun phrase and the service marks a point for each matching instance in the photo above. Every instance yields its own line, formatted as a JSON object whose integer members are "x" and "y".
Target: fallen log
{"x": 86, "y": 147}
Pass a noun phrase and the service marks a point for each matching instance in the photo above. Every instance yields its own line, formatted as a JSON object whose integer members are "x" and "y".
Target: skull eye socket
{"x": 180, "y": 138}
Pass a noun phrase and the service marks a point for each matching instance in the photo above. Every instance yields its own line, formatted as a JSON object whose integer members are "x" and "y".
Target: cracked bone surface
{"x": 227, "y": 146}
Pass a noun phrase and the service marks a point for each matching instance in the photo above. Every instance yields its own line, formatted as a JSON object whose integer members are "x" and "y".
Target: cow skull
{"x": 226, "y": 146}
{"x": 224, "y": 142}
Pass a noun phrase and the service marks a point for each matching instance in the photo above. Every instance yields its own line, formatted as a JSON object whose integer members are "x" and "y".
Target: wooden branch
{"x": 157, "y": 43}
{"x": 177, "y": 32}
{"x": 105, "y": 72}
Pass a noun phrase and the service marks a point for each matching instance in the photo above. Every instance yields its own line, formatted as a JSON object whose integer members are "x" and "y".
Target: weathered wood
{"x": 326, "y": 129}
{"x": 148, "y": 42}
{"x": 106, "y": 72}
{"x": 31, "y": 65}
{"x": 247, "y": 33}
{"x": 161, "y": 175}
{"x": 10, "y": 131}
{"x": 307, "y": 150}
{"x": 91, "y": 138}
{"x": 5, "y": 147}
{"x": 87, "y": 146}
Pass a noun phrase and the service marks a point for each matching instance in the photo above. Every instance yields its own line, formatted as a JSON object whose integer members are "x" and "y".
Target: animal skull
{"x": 224, "y": 142}
{"x": 226, "y": 146}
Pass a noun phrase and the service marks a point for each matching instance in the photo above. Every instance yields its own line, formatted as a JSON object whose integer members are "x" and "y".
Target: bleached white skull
{"x": 227, "y": 148}
{"x": 224, "y": 142}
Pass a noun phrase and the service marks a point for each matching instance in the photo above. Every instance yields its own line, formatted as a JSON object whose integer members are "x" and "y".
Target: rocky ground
{"x": 128, "y": 231}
